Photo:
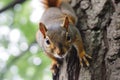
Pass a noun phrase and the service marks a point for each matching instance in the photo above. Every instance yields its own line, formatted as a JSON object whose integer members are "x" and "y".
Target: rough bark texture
{"x": 99, "y": 25}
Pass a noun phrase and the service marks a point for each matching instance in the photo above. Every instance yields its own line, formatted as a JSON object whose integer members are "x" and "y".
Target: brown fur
{"x": 51, "y": 3}
{"x": 57, "y": 32}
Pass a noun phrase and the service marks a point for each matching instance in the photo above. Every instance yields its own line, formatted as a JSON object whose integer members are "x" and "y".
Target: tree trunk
{"x": 99, "y": 25}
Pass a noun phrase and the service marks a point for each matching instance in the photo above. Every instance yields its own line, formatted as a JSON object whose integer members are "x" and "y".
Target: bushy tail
{"x": 51, "y": 3}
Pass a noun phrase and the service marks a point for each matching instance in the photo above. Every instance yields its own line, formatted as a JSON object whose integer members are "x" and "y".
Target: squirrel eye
{"x": 68, "y": 38}
{"x": 47, "y": 41}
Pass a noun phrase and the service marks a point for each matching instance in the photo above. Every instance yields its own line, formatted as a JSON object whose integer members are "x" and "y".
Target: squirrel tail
{"x": 51, "y": 3}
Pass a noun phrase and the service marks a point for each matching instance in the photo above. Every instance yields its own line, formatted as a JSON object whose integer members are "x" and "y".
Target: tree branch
{"x": 11, "y": 5}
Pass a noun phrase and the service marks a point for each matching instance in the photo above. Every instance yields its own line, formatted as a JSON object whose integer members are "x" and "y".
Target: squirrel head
{"x": 57, "y": 41}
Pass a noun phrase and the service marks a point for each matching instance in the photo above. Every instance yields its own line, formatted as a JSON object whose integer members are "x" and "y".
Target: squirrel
{"x": 57, "y": 32}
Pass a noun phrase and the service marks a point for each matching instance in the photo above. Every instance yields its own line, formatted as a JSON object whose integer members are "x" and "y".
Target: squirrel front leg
{"x": 55, "y": 63}
{"x": 80, "y": 50}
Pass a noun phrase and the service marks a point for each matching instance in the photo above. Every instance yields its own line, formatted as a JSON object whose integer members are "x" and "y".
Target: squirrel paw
{"x": 83, "y": 57}
{"x": 54, "y": 67}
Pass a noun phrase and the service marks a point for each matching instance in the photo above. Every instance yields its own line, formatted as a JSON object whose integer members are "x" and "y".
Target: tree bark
{"x": 99, "y": 25}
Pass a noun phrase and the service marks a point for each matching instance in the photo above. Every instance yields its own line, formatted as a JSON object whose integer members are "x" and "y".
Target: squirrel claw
{"x": 54, "y": 70}
{"x": 88, "y": 56}
{"x": 83, "y": 57}
{"x": 86, "y": 61}
{"x": 81, "y": 62}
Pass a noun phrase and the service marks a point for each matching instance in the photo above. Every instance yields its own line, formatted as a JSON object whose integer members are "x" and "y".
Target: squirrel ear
{"x": 66, "y": 23}
{"x": 43, "y": 29}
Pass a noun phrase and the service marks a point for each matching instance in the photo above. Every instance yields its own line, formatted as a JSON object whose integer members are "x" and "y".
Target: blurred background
{"x": 20, "y": 56}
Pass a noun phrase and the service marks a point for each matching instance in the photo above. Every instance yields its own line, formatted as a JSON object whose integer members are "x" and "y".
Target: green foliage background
{"x": 31, "y": 63}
